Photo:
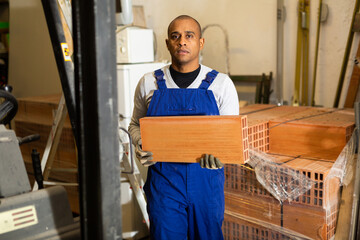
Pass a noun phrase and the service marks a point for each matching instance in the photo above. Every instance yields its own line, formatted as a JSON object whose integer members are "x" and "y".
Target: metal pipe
{"x": 280, "y": 51}
{"x": 346, "y": 56}
{"x": 355, "y": 204}
{"x": 316, "y": 55}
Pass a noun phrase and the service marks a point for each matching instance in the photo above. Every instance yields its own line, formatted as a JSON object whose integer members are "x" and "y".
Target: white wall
{"x": 32, "y": 66}
{"x": 251, "y": 26}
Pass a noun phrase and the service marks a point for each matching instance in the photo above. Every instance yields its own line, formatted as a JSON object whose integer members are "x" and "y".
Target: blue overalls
{"x": 184, "y": 200}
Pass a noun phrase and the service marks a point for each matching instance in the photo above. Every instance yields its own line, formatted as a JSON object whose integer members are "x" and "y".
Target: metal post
{"x": 96, "y": 106}
{"x": 65, "y": 65}
{"x": 280, "y": 51}
{"x": 355, "y": 205}
{"x": 346, "y": 56}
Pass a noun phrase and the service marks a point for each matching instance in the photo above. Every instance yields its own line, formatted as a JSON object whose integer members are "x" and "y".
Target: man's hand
{"x": 143, "y": 156}
{"x": 210, "y": 162}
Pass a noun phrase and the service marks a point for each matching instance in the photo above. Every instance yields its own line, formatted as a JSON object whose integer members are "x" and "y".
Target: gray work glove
{"x": 144, "y": 157}
{"x": 210, "y": 162}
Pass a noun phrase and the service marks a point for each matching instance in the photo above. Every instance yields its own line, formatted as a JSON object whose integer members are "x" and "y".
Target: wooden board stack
{"x": 303, "y": 139}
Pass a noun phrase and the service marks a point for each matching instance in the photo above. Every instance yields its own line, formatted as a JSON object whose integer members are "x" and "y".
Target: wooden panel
{"x": 187, "y": 138}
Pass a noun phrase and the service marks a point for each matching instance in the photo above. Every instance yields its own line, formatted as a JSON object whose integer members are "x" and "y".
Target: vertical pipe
{"x": 316, "y": 54}
{"x": 346, "y": 56}
{"x": 305, "y": 53}
{"x": 355, "y": 205}
{"x": 280, "y": 51}
{"x": 299, "y": 49}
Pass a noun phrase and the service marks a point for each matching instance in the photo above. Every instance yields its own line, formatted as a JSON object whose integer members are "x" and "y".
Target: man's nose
{"x": 182, "y": 41}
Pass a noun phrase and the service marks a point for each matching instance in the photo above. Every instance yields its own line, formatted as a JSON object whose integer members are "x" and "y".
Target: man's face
{"x": 184, "y": 43}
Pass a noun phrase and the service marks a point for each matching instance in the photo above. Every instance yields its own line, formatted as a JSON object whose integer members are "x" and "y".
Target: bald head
{"x": 181, "y": 17}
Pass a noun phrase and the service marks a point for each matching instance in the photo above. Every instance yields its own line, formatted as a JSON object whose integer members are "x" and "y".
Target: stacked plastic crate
{"x": 304, "y": 140}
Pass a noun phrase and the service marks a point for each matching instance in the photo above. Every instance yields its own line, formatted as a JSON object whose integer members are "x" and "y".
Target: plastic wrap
{"x": 340, "y": 168}
{"x": 282, "y": 182}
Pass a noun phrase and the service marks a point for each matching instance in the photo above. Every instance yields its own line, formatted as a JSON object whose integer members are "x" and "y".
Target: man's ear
{"x": 202, "y": 42}
{"x": 167, "y": 43}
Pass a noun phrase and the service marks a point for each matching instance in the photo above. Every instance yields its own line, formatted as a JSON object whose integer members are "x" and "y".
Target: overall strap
{"x": 210, "y": 76}
{"x": 159, "y": 75}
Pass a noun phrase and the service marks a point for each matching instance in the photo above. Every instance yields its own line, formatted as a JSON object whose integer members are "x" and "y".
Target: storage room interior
{"x": 294, "y": 65}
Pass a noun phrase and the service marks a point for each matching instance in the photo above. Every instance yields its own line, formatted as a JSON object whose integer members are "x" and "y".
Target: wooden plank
{"x": 187, "y": 138}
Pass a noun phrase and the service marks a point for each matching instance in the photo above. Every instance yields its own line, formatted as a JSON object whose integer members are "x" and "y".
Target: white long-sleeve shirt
{"x": 222, "y": 87}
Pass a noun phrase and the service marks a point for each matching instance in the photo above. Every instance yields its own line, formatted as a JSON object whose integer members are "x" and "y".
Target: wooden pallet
{"x": 187, "y": 138}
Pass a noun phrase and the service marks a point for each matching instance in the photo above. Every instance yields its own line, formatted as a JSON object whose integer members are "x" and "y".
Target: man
{"x": 184, "y": 200}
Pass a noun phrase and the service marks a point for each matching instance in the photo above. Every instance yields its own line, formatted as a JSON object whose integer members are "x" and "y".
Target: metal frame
{"x": 97, "y": 118}
{"x": 262, "y": 83}
{"x": 91, "y": 99}
{"x": 65, "y": 68}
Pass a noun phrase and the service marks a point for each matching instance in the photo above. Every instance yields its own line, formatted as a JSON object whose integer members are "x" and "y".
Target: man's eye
{"x": 174, "y": 37}
{"x": 189, "y": 36}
